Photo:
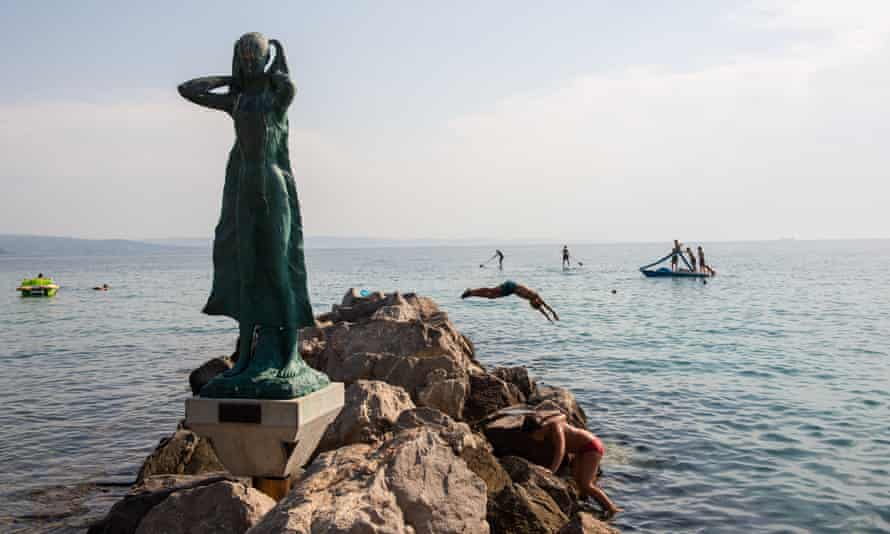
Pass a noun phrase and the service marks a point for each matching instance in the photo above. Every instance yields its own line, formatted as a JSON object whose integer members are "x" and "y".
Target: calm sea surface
{"x": 756, "y": 402}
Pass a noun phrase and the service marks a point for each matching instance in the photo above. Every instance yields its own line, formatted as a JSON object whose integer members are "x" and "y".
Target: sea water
{"x": 756, "y": 402}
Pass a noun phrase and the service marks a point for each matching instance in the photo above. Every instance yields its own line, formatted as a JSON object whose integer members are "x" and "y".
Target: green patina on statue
{"x": 259, "y": 273}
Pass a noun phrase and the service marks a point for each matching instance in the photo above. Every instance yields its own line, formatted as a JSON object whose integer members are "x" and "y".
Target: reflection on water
{"x": 756, "y": 401}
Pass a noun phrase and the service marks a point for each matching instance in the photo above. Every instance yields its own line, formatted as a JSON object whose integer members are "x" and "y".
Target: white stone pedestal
{"x": 264, "y": 438}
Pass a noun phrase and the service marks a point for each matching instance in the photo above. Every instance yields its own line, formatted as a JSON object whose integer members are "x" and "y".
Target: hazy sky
{"x": 632, "y": 120}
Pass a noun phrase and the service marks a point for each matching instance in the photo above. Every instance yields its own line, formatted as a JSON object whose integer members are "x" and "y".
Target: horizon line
{"x": 445, "y": 241}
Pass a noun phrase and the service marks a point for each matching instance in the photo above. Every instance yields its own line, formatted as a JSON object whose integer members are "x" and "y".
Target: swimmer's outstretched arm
{"x": 545, "y": 305}
{"x": 544, "y": 313}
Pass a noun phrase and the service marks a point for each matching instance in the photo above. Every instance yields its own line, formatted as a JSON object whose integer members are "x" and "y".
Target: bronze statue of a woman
{"x": 259, "y": 272}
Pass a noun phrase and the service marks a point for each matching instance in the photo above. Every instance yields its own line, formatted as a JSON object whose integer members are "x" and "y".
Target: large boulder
{"x": 585, "y": 523}
{"x": 486, "y": 466}
{"x": 472, "y": 448}
{"x": 226, "y": 506}
{"x": 208, "y": 371}
{"x": 411, "y": 484}
{"x": 504, "y": 432}
{"x": 214, "y": 366}
{"x": 550, "y": 397}
{"x": 530, "y": 475}
{"x": 183, "y": 453}
{"x": 518, "y": 376}
{"x": 126, "y": 514}
{"x": 536, "y": 502}
{"x": 457, "y": 435}
{"x": 404, "y": 340}
{"x": 444, "y": 392}
{"x": 519, "y": 509}
{"x": 488, "y": 394}
{"x": 369, "y": 412}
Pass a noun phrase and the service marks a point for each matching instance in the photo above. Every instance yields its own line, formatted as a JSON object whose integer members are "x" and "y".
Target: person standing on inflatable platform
{"x": 691, "y": 258}
{"x": 566, "y": 261}
{"x": 675, "y": 255}
{"x": 702, "y": 266}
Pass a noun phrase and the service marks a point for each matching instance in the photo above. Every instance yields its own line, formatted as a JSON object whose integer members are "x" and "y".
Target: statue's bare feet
{"x": 292, "y": 369}
{"x": 239, "y": 368}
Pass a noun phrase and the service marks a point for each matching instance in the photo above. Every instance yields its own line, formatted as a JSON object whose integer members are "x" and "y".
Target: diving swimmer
{"x": 512, "y": 288}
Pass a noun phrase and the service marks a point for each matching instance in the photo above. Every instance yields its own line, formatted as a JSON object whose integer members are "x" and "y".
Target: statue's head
{"x": 251, "y": 54}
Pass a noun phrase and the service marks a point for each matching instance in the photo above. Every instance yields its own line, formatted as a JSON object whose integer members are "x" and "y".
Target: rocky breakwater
{"x": 429, "y": 441}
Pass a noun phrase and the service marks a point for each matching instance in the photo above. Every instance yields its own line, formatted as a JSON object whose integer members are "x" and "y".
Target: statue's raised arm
{"x": 200, "y": 91}
{"x": 279, "y": 74}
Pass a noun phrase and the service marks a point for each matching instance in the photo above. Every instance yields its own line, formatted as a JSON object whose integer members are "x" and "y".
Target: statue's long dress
{"x": 272, "y": 240}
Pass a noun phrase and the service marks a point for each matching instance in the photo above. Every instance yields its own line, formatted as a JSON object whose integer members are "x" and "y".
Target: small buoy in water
{"x": 481, "y": 266}
{"x": 614, "y": 291}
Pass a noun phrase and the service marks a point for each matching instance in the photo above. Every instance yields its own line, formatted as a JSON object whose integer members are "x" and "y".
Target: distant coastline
{"x": 37, "y": 245}
{"x": 22, "y": 245}
{"x": 31, "y": 245}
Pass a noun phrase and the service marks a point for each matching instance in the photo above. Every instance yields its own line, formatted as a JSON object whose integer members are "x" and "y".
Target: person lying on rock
{"x": 587, "y": 449}
{"x": 512, "y": 288}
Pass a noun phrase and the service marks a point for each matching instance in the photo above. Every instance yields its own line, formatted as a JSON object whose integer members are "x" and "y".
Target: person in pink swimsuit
{"x": 587, "y": 449}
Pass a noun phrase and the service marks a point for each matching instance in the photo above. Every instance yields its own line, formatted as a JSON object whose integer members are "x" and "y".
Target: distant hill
{"x": 321, "y": 241}
{"x": 31, "y": 245}
{"x": 186, "y": 242}
{"x": 371, "y": 242}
